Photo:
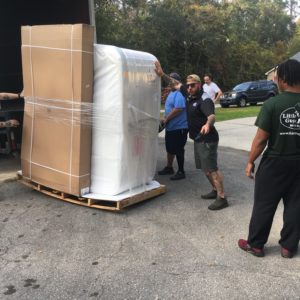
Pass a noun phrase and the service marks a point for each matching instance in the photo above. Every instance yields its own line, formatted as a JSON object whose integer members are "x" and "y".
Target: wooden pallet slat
{"x": 94, "y": 203}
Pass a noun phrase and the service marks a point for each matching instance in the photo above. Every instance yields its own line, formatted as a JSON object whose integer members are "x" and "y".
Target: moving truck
{"x": 14, "y": 14}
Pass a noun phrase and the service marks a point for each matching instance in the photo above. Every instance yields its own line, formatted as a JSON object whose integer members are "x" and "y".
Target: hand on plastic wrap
{"x": 158, "y": 69}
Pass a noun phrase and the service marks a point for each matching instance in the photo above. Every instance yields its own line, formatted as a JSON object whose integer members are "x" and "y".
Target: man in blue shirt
{"x": 175, "y": 119}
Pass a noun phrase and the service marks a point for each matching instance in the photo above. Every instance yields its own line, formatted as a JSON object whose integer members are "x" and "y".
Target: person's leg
{"x": 217, "y": 179}
{"x": 180, "y": 161}
{"x": 201, "y": 154}
{"x": 211, "y": 180}
{"x": 170, "y": 155}
{"x": 269, "y": 187}
{"x": 211, "y": 167}
{"x": 209, "y": 158}
{"x": 182, "y": 138}
{"x": 168, "y": 169}
{"x": 170, "y": 159}
{"x": 290, "y": 233}
{"x": 180, "y": 174}
{"x": 221, "y": 201}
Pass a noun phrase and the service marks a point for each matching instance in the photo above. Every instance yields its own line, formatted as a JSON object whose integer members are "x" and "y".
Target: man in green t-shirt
{"x": 278, "y": 174}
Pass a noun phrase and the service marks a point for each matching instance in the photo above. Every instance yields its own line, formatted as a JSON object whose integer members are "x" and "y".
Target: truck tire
{"x": 242, "y": 102}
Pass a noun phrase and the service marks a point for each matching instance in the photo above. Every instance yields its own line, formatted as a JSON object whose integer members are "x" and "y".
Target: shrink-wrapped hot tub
{"x": 126, "y": 112}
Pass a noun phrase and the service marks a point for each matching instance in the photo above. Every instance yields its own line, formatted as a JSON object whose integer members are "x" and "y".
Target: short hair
{"x": 193, "y": 78}
{"x": 208, "y": 75}
{"x": 289, "y": 72}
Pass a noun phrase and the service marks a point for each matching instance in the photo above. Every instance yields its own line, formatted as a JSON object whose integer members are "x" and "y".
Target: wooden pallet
{"x": 94, "y": 203}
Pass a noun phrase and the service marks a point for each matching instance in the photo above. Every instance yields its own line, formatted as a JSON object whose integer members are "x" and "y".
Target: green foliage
{"x": 224, "y": 114}
{"x": 234, "y": 40}
{"x": 294, "y": 44}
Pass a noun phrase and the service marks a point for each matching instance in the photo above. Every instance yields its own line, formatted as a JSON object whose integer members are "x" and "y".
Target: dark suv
{"x": 249, "y": 92}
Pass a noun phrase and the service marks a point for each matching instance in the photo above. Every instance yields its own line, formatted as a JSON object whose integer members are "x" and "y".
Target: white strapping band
{"x": 59, "y": 171}
{"x": 57, "y": 49}
{"x": 72, "y": 121}
{"x": 32, "y": 117}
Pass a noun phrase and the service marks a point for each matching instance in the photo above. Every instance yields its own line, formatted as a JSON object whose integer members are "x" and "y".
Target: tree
{"x": 235, "y": 40}
{"x": 294, "y": 44}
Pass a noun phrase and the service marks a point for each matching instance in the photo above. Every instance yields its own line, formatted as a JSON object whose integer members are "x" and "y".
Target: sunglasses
{"x": 191, "y": 85}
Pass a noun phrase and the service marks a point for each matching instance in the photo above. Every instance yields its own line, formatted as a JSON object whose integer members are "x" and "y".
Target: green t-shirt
{"x": 280, "y": 116}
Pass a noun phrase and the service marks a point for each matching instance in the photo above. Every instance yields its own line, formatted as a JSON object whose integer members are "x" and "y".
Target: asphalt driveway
{"x": 170, "y": 247}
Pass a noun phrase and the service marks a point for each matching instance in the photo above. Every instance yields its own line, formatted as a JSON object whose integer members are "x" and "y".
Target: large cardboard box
{"x": 57, "y": 63}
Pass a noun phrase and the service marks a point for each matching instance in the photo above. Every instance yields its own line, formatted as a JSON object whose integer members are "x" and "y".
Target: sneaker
{"x": 166, "y": 171}
{"x": 211, "y": 195}
{"x": 286, "y": 253}
{"x": 243, "y": 244}
{"x": 218, "y": 204}
{"x": 179, "y": 175}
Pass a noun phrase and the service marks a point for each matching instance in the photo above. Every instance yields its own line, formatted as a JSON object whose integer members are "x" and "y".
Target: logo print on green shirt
{"x": 290, "y": 117}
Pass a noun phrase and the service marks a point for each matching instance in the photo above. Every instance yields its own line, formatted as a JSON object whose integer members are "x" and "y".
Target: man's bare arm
{"x": 173, "y": 114}
{"x": 258, "y": 145}
{"x": 170, "y": 81}
{"x": 209, "y": 123}
{"x": 218, "y": 96}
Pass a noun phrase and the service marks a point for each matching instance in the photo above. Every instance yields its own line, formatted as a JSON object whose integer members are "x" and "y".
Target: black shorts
{"x": 176, "y": 140}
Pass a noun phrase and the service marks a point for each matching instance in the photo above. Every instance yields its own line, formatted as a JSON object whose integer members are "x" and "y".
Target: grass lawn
{"x": 223, "y": 114}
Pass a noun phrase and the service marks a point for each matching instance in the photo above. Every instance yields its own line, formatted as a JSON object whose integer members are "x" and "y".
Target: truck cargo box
{"x": 15, "y": 13}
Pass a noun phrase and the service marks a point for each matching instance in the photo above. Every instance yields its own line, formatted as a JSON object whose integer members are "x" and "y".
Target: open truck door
{"x": 13, "y": 15}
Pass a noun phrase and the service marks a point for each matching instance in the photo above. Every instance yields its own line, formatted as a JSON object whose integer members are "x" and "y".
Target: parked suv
{"x": 249, "y": 92}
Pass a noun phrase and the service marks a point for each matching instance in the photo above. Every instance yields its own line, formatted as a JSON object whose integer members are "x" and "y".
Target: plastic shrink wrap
{"x": 125, "y": 120}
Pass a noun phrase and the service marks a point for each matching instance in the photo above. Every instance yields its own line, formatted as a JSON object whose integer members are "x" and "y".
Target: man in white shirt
{"x": 211, "y": 89}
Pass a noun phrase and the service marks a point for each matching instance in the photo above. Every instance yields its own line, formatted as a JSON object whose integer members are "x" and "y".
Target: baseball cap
{"x": 175, "y": 76}
{"x": 193, "y": 78}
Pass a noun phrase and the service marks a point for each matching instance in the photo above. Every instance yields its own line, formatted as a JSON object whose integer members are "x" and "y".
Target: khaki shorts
{"x": 206, "y": 156}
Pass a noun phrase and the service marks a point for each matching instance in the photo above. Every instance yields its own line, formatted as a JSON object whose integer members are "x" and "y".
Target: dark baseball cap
{"x": 175, "y": 76}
